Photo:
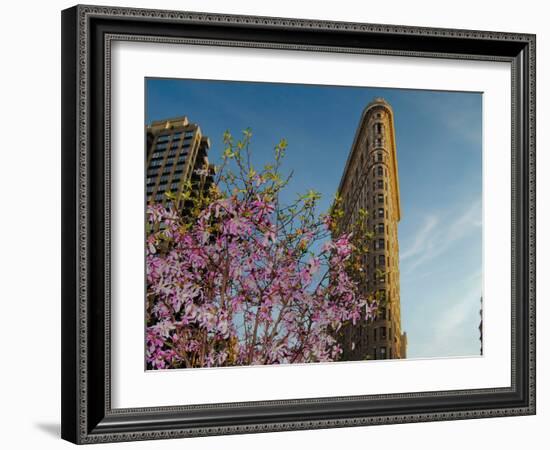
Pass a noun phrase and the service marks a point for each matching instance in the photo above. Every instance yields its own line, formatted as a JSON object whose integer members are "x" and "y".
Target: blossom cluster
{"x": 231, "y": 291}
{"x": 247, "y": 281}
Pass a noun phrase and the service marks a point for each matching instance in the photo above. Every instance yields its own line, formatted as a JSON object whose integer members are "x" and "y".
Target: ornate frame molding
{"x": 88, "y": 32}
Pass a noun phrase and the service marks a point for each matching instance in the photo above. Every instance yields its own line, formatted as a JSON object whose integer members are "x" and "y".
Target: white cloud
{"x": 421, "y": 239}
{"x": 454, "y": 318}
{"x": 451, "y": 327}
{"x": 454, "y": 321}
{"x": 463, "y": 122}
{"x": 437, "y": 234}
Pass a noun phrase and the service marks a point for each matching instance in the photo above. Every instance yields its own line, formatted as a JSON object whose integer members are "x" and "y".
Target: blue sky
{"x": 439, "y": 152}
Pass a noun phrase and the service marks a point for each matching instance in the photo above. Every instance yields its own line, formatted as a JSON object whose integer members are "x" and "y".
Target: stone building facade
{"x": 371, "y": 182}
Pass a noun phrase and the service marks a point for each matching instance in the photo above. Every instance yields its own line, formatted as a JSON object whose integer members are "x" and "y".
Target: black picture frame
{"x": 87, "y": 33}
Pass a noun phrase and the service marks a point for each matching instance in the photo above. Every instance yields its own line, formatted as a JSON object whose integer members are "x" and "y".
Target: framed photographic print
{"x": 282, "y": 224}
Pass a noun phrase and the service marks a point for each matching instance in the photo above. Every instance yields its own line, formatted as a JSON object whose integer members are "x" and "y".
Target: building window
{"x": 390, "y": 354}
{"x": 380, "y": 171}
{"x": 379, "y": 244}
{"x": 380, "y": 228}
{"x": 379, "y": 157}
{"x": 383, "y": 333}
{"x": 380, "y": 184}
{"x": 381, "y": 212}
{"x": 382, "y": 260}
{"x": 382, "y": 352}
{"x": 380, "y": 198}
{"x": 378, "y": 128}
{"x": 163, "y": 138}
{"x": 374, "y": 335}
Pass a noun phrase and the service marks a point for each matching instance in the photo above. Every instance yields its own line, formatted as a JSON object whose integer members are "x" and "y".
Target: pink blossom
{"x": 237, "y": 287}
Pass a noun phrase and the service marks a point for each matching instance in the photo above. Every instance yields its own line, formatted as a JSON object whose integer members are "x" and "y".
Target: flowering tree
{"x": 240, "y": 279}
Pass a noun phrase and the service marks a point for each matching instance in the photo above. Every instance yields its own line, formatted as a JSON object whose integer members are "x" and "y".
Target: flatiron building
{"x": 371, "y": 182}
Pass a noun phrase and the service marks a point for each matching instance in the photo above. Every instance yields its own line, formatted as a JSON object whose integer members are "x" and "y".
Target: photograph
{"x": 298, "y": 223}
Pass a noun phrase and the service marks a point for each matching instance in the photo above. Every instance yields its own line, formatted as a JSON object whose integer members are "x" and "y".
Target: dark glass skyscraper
{"x": 177, "y": 152}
